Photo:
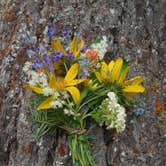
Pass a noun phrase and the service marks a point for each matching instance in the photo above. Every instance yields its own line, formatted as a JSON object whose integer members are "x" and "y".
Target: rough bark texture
{"x": 136, "y": 30}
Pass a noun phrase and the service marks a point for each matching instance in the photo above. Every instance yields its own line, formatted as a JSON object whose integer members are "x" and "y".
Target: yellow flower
{"x": 92, "y": 86}
{"x": 59, "y": 84}
{"x": 116, "y": 72}
{"x": 75, "y": 46}
{"x": 68, "y": 82}
{"x": 57, "y": 46}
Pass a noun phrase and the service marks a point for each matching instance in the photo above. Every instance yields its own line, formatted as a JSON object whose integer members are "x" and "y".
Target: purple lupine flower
{"x": 84, "y": 62}
{"x": 59, "y": 54}
{"x": 30, "y": 53}
{"x": 70, "y": 56}
{"x": 46, "y": 59}
{"x": 51, "y": 30}
{"x": 36, "y": 49}
{"x": 42, "y": 48}
{"x": 138, "y": 111}
{"x": 64, "y": 32}
{"x": 84, "y": 48}
{"x": 85, "y": 73}
{"x": 55, "y": 58}
{"x": 37, "y": 64}
{"x": 50, "y": 68}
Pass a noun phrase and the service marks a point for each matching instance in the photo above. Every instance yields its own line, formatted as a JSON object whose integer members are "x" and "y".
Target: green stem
{"x": 80, "y": 150}
{"x": 91, "y": 100}
{"x": 65, "y": 67}
{"x": 86, "y": 116}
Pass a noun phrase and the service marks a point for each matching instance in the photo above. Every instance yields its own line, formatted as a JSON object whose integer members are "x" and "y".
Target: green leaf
{"x": 124, "y": 66}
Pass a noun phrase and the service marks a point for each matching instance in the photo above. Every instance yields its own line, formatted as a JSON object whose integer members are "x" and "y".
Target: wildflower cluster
{"x": 72, "y": 83}
{"x": 111, "y": 113}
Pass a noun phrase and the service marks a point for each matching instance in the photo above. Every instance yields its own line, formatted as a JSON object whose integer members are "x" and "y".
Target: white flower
{"x": 56, "y": 94}
{"x": 37, "y": 79}
{"x": 98, "y": 65}
{"x": 42, "y": 80}
{"x": 27, "y": 67}
{"x": 101, "y": 47}
{"x": 33, "y": 77}
{"x": 65, "y": 94}
{"x": 115, "y": 113}
{"x": 112, "y": 97}
{"x": 48, "y": 91}
{"x": 56, "y": 104}
{"x": 66, "y": 111}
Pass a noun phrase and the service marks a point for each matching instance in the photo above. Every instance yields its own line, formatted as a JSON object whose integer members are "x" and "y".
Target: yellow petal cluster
{"x": 67, "y": 83}
{"x": 75, "y": 46}
{"x": 112, "y": 73}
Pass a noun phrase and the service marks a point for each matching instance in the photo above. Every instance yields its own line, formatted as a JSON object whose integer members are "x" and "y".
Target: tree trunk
{"x": 136, "y": 30}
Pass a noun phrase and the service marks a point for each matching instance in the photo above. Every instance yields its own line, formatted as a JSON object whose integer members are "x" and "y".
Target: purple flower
{"x": 36, "y": 49}
{"x": 55, "y": 58}
{"x": 50, "y": 68}
{"x": 42, "y": 48}
{"x": 84, "y": 62}
{"x": 84, "y": 48}
{"x": 70, "y": 56}
{"x": 64, "y": 32}
{"x": 85, "y": 73}
{"x": 138, "y": 111}
{"x": 51, "y": 30}
{"x": 46, "y": 59}
{"x": 59, "y": 54}
{"x": 30, "y": 52}
{"x": 37, "y": 64}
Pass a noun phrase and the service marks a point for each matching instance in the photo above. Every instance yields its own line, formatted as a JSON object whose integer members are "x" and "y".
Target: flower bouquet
{"x": 72, "y": 83}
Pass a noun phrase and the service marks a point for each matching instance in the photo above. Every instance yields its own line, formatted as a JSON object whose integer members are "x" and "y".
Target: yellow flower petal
{"x": 52, "y": 83}
{"x": 104, "y": 70}
{"x": 56, "y": 45}
{"x": 73, "y": 45}
{"x": 111, "y": 65}
{"x": 74, "y": 93}
{"x": 90, "y": 84}
{"x": 74, "y": 82}
{"x": 46, "y": 104}
{"x": 123, "y": 75}
{"x": 72, "y": 73}
{"x": 134, "y": 89}
{"x": 34, "y": 89}
{"x": 116, "y": 69}
{"x": 79, "y": 49}
{"x": 98, "y": 76}
{"x": 134, "y": 81}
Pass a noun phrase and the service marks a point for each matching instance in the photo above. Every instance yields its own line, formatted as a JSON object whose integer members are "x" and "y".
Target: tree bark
{"x": 136, "y": 30}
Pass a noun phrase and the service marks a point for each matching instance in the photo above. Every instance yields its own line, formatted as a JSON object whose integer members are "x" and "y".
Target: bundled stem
{"x": 80, "y": 150}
